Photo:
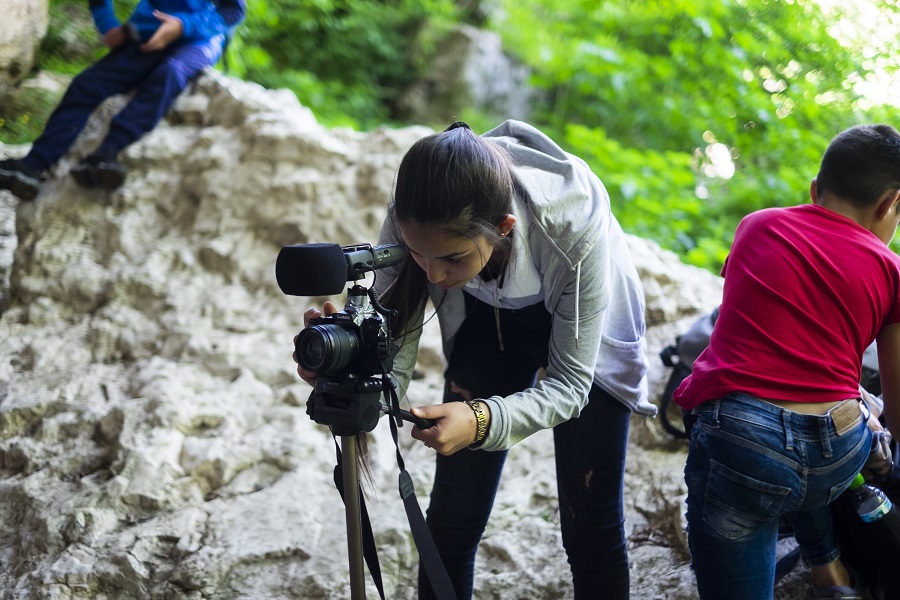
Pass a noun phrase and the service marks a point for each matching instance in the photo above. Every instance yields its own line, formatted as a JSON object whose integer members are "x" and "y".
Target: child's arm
{"x": 104, "y": 15}
{"x": 889, "y": 372}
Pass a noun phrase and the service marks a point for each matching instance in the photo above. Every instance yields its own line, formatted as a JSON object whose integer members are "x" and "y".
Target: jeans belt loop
{"x": 788, "y": 434}
{"x": 718, "y": 403}
{"x": 825, "y": 437}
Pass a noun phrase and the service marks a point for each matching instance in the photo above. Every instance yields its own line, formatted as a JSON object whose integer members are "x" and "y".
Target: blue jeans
{"x": 157, "y": 78}
{"x": 589, "y": 451}
{"x": 750, "y": 463}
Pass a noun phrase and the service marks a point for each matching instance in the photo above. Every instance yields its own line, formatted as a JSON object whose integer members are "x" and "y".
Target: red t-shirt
{"x": 806, "y": 291}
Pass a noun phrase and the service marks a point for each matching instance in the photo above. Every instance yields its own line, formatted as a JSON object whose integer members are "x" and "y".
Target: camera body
{"x": 351, "y": 351}
{"x": 352, "y": 343}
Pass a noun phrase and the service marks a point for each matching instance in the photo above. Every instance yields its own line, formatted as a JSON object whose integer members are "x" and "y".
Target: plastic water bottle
{"x": 871, "y": 504}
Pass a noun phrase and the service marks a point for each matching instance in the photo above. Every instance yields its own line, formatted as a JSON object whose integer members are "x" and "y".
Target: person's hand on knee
{"x": 170, "y": 29}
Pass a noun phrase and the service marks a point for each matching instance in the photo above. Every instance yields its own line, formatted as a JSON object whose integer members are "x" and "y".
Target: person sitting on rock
{"x": 155, "y": 54}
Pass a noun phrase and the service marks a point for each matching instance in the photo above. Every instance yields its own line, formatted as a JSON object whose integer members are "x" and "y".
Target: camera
{"x": 352, "y": 354}
{"x": 351, "y": 351}
{"x": 356, "y": 341}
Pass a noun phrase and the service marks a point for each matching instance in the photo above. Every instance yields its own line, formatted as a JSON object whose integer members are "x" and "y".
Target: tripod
{"x": 350, "y": 477}
{"x": 351, "y": 407}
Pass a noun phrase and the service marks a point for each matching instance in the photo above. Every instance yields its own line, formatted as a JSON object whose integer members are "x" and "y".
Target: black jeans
{"x": 590, "y": 460}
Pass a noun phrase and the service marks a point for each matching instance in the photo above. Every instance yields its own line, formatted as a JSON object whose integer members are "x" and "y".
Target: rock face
{"x": 469, "y": 69}
{"x": 24, "y": 26}
{"x": 153, "y": 435}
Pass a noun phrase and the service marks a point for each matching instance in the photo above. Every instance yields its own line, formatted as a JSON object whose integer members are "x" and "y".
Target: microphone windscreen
{"x": 311, "y": 270}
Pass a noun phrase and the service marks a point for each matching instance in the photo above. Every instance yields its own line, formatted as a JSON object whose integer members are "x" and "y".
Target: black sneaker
{"x": 20, "y": 179}
{"x": 83, "y": 173}
{"x": 99, "y": 171}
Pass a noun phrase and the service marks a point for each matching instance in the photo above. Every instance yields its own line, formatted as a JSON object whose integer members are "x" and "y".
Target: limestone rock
{"x": 24, "y": 26}
{"x": 469, "y": 69}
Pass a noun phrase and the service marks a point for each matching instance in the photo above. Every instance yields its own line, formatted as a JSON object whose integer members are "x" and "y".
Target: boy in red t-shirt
{"x": 778, "y": 426}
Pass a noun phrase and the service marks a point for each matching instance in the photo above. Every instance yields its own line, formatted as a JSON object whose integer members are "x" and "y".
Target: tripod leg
{"x": 354, "y": 525}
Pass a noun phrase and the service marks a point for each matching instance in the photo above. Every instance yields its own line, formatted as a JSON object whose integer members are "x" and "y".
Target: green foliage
{"x": 24, "y": 115}
{"x": 72, "y": 41}
{"x": 671, "y": 82}
{"x": 348, "y": 60}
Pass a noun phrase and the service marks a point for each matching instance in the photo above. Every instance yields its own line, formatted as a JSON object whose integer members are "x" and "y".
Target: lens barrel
{"x": 326, "y": 348}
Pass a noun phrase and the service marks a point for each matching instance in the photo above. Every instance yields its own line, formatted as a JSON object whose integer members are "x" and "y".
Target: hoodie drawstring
{"x": 577, "y": 298}
{"x": 497, "y": 318}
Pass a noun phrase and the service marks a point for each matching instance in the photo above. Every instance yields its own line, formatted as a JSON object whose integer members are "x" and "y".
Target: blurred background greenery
{"x": 692, "y": 112}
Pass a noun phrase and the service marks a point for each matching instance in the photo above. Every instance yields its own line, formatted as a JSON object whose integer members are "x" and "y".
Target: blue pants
{"x": 750, "y": 463}
{"x": 156, "y": 79}
{"x": 589, "y": 451}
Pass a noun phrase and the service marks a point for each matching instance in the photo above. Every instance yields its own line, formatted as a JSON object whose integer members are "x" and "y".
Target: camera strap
{"x": 428, "y": 554}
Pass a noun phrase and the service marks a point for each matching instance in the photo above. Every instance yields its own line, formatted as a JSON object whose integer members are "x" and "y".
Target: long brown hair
{"x": 461, "y": 184}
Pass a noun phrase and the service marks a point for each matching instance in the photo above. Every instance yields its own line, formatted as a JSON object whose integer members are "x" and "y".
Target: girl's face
{"x": 448, "y": 260}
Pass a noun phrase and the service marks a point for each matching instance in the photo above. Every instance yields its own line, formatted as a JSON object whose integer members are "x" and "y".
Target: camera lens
{"x": 326, "y": 348}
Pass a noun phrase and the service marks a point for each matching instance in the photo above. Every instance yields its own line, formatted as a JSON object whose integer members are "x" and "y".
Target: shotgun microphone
{"x": 323, "y": 269}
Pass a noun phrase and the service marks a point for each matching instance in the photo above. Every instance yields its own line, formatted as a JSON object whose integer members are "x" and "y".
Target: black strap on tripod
{"x": 428, "y": 554}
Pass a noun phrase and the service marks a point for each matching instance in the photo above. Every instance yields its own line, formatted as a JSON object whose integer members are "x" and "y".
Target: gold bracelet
{"x": 480, "y": 420}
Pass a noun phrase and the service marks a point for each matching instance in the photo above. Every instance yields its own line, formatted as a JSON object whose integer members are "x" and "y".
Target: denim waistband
{"x": 739, "y": 402}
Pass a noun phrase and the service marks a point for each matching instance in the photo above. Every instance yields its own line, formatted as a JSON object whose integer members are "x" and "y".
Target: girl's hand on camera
{"x": 328, "y": 309}
{"x": 454, "y": 426}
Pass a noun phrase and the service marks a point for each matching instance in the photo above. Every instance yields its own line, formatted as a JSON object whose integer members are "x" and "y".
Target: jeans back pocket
{"x": 737, "y": 504}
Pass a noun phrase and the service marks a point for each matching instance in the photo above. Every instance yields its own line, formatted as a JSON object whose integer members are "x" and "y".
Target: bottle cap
{"x": 857, "y": 481}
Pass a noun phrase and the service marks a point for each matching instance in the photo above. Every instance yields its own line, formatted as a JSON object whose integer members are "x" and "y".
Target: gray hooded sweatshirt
{"x": 591, "y": 289}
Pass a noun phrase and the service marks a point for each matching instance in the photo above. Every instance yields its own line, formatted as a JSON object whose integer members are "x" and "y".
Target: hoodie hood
{"x": 566, "y": 199}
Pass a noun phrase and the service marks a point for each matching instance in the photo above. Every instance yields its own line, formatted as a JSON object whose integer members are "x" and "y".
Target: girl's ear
{"x": 506, "y": 225}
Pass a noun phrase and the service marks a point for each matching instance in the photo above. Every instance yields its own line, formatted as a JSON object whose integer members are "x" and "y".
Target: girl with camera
{"x": 542, "y": 320}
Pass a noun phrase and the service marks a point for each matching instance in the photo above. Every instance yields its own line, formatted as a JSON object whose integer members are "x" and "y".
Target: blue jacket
{"x": 203, "y": 20}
